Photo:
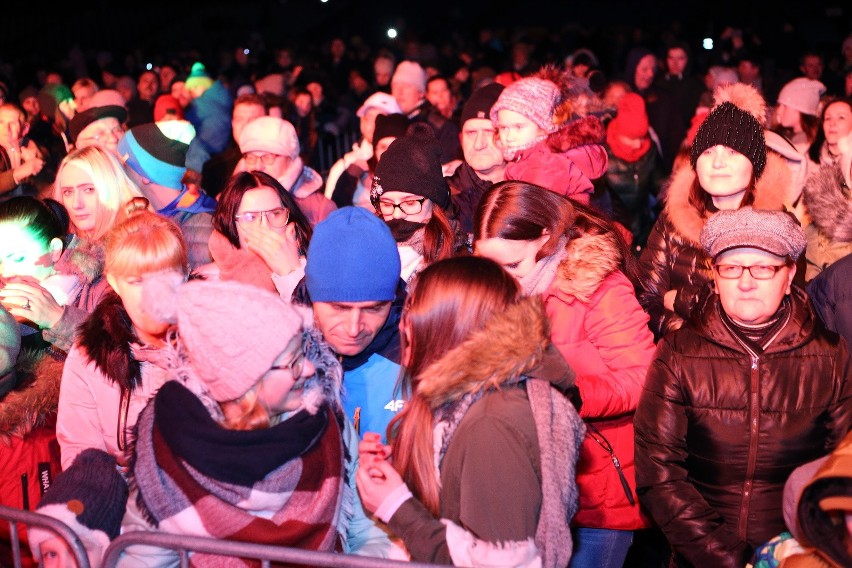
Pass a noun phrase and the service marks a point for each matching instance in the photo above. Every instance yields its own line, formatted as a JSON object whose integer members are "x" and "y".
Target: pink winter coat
{"x": 601, "y": 330}
{"x": 566, "y": 162}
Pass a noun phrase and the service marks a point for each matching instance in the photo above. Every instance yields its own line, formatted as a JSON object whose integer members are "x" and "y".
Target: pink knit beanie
{"x": 232, "y": 331}
{"x": 531, "y": 97}
{"x": 802, "y": 94}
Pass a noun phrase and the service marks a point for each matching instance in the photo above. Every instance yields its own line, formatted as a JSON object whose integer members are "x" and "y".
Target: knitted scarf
{"x": 560, "y": 432}
{"x": 280, "y": 485}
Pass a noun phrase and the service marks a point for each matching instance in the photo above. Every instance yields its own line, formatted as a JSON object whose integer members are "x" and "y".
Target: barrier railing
{"x": 30, "y": 519}
{"x": 265, "y": 553}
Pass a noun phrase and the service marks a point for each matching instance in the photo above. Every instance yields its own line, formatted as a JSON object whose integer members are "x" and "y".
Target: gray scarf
{"x": 544, "y": 271}
{"x": 560, "y": 432}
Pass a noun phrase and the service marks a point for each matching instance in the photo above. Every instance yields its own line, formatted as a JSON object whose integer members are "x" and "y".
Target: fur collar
{"x": 82, "y": 258}
{"x": 591, "y": 258}
{"x": 586, "y": 130}
{"x": 106, "y": 336}
{"x": 828, "y": 202}
{"x": 34, "y": 399}
{"x": 511, "y": 344}
{"x": 769, "y": 193}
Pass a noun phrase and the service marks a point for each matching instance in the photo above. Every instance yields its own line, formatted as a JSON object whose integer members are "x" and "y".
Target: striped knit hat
{"x": 157, "y": 151}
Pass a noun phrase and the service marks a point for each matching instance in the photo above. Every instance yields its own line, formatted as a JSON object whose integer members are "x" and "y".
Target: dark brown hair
{"x": 232, "y": 195}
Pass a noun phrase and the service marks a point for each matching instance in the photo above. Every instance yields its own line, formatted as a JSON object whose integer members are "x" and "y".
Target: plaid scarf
{"x": 196, "y": 478}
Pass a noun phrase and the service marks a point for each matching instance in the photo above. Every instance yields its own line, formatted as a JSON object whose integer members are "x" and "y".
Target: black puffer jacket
{"x": 718, "y": 429}
{"x": 673, "y": 258}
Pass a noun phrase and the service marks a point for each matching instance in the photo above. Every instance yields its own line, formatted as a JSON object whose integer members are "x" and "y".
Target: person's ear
{"x": 790, "y": 279}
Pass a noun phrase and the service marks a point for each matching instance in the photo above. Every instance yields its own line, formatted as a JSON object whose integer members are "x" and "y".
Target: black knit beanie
{"x": 731, "y": 126}
{"x": 413, "y": 164}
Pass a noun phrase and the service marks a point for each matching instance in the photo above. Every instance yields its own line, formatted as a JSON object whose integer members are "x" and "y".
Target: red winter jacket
{"x": 601, "y": 330}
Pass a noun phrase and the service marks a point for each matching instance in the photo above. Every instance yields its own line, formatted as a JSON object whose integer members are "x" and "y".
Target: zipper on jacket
{"x": 754, "y": 428}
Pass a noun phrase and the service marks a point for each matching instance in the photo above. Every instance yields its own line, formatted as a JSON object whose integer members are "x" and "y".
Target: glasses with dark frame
{"x": 757, "y": 271}
{"x": 408, "y": 207}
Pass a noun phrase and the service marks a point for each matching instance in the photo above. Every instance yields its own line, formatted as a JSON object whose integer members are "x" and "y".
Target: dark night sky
{"x": 32, "y": 32}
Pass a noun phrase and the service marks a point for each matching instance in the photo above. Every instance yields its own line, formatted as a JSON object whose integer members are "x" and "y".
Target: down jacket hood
{"x": 590, "y": 259}
{"x": 511, "y": 344}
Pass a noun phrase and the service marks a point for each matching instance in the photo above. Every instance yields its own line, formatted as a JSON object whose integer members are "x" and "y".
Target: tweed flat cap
{"x": 777, "y": 232}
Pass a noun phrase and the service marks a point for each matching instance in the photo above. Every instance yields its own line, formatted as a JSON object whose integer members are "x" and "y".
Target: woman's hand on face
{"x": 280, "y": 251}
{"x": 25, "y": 299}
{"x": 371, "y": 446}
{"x": 376, "y": 479}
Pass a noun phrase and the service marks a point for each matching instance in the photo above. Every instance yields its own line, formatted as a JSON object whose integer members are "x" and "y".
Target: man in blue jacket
{"x": 352, "y": 283}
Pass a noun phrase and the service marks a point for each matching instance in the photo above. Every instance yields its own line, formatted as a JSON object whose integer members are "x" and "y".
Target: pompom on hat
{"x": 412, "y": 164}
{"x": 232, "y": 332}
{"x": 270, "y": 134}
{"x": 198, "y": 77}
{"x": 802, "y": 94}
{"x": 776, "y": 232}
{"x": 90, "y": 496}
{"x": 736, "y": 121}
{"x": 352, "y": 257}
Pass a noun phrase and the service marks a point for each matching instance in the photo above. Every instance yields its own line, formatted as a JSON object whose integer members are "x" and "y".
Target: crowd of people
{"x": 530, "y": 313}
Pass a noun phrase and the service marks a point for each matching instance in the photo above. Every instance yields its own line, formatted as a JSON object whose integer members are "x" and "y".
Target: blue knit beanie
{"x": 352, "y": 257}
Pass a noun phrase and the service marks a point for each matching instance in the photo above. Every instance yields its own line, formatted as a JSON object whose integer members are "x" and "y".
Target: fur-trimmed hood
{"x": 511, "y": 343}
{"x": 106, "y": 337}
{"x": 590, "y": 259}
{"x": 828, "y": 202}
{"x": 769, "y": 194}
{"x": 36, "y": 396}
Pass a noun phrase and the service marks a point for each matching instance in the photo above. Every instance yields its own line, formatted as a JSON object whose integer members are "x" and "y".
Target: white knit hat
{"x": 802, "y": 94}
{"x": 412, "y": 73}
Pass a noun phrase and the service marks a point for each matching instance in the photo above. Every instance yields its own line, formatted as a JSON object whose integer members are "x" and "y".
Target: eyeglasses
{"x": 116, "y": 131}
{"x": 757, "y": 271}
{"x": 408, "y": 207}
{"x": 297, "y": 363}
{"x": 277, "y": 217}
{"x": 267, "y": 159}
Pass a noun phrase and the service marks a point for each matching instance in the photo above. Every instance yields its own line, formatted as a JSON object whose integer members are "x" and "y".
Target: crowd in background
{"x": 342, "y": 298}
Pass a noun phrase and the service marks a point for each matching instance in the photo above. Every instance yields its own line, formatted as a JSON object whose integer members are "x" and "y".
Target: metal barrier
{"x": 31, "y": 519}
{"x": 265, "y": 553}
{"x": 331, "y": 148}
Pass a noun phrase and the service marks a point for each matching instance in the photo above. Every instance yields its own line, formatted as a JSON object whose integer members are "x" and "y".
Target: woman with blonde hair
{"x": 93, "y": 188}
{"x": 116, "y": 365}
{"x": 482, "y": 420}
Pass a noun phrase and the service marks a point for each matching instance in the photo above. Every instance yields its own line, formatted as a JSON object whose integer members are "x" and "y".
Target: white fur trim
{"x": 467, "y": 550}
